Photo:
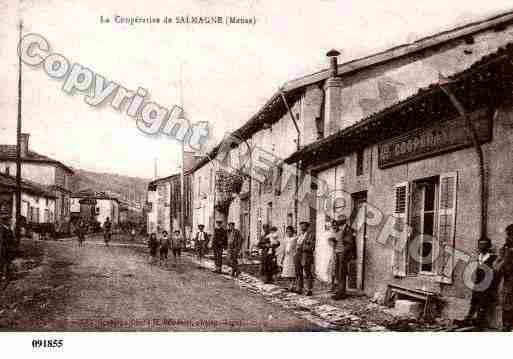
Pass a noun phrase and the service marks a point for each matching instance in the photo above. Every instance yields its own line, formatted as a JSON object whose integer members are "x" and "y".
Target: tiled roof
{"x": 8, "y": 152}
{"x": 7, "y": 181}
{"x": 274, "y": 107}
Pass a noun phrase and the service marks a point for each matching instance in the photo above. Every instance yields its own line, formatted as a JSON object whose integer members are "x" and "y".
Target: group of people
{"x": 81, "y": 230}
{"x": 162, "y": 245}
{"x": 223, "y": 239}
{"x": 492, "y": 270}
{"x": 292, "y": 257}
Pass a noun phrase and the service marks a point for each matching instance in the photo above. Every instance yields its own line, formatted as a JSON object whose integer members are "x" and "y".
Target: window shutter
{"x": 446, "y": 226}
{"x": 401, "y": 216}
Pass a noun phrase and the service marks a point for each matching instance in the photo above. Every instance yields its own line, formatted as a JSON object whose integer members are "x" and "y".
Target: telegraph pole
{"x": 18, "y": 151}
{"x": 182, "y": 172}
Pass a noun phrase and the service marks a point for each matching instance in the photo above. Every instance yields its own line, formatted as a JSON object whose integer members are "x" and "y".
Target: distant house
{"x": 44, "y": 171}
{"x": 37, "y": 203}
{"x": 89, "y": 204}
{"x": 163, "y": 204}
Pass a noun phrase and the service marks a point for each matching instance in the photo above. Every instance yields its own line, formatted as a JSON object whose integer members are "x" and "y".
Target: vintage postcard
{"x": 256, "y": 166}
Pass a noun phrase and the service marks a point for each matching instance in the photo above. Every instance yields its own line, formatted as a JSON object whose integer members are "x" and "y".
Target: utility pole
{"x": 182, "y": 172}
{"x": 18, "y": 152}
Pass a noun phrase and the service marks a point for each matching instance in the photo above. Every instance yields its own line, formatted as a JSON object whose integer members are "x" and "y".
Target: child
{"x": 164, "y": 246}
{"x": 153, "y": 245}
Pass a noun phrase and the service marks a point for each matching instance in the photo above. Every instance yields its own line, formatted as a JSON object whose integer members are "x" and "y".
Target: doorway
{"x": 356, "y": 267}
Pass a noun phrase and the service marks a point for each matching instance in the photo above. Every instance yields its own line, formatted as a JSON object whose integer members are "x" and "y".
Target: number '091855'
{"x": 44, "y": 343}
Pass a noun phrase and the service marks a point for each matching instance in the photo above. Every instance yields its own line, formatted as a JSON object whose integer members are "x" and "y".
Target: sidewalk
{"x": 316, "y": 308}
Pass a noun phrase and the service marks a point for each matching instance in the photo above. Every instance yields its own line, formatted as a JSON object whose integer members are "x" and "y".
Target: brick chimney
{"x": 24, "y": 144}
{"x": 333, "y": 103}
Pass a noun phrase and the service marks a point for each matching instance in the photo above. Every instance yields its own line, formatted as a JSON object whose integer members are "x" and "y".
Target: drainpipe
{"x": 479, "y": 151}
{"x": 298, "y": 146}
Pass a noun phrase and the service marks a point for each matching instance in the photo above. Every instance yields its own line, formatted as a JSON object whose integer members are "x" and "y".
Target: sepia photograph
{"x": 257, "y": 167}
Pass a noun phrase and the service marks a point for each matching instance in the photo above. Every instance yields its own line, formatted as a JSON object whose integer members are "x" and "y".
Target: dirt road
{"x": 116, "y": 288}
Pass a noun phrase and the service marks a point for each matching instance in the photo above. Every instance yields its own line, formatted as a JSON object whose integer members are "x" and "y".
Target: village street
{"x": 116, "y": 288}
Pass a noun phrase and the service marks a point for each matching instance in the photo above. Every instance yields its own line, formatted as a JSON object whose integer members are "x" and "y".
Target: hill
{"x": 125, "y": 187}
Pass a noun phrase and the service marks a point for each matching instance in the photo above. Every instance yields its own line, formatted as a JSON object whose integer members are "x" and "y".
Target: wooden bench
{"x": 430, "y": 299}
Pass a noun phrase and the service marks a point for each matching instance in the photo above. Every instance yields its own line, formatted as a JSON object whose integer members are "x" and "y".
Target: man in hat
{"x": 201, "y": 241}
{"x": 7, "y": 246}
{"x": 219, "y": 243}
{"x": 262, "y": 244}
{"x": 345, "y": 250}
{"x": 304, "y": 258}
{"x": 484, "y": 293}
{"x": 234, "y": 247}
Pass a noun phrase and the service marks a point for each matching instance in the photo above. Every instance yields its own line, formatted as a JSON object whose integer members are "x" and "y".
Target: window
{"x": 7, "y": 170}
{"x": 427, "y": 223}
{"x": 269, "y": 213}
{"x": 290, "y": 219}
{"x": 36, "y": 215}
{"x": 319, "y": 125}
{"x": 359, "y": 162}
{"x": 210, "y": 181}
{"x": 428, "y": 206}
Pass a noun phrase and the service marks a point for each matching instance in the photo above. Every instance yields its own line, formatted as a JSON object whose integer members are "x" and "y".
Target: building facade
{"x": 45, "y": 171}
{"x": 379, "y": 134}
{"x": 37, "y": 203}
{"x": 98, "y": 206}
{"x": 165, "y": 206}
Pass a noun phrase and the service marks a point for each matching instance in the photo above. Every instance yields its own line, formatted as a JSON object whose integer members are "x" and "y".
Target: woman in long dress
{"x": 331, "y": 255}
{"x": 287, "y": 257}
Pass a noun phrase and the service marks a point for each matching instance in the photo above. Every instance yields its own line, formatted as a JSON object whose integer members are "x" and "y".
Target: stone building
{"x": 88, "y": 204}
{"x": 379, "y": 134}
{"x": 37, "y": 203}
{"x": 165, "y": 206}
{"x": 45, "y": 171}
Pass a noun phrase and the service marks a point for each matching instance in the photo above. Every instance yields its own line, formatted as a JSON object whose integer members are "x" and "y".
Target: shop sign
{"x": 426, "y": 142}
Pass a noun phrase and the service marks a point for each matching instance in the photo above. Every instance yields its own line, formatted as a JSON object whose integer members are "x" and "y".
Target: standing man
{"x": 7, "y": 246}
{"x": 81, "y": 232}
{"x": 234, "y": 248}
{"x": 218, "y": 244}
{"x": 504, "y": 269}
{"x": 201, "y": 242}
{"x": 107, "y": 225}
{"x": 345, "y": 250}
{"x": 177, "y": 242}
{"x": 264, "y": 249}
{"x": 304, "y": 258}
{"x": 482, "y": 303}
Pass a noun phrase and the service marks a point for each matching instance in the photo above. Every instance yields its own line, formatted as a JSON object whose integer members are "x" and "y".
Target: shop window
{"x": 359, "y": 162}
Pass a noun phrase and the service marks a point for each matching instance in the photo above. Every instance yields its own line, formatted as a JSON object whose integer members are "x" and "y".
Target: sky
{"x": 228, "y": 72}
